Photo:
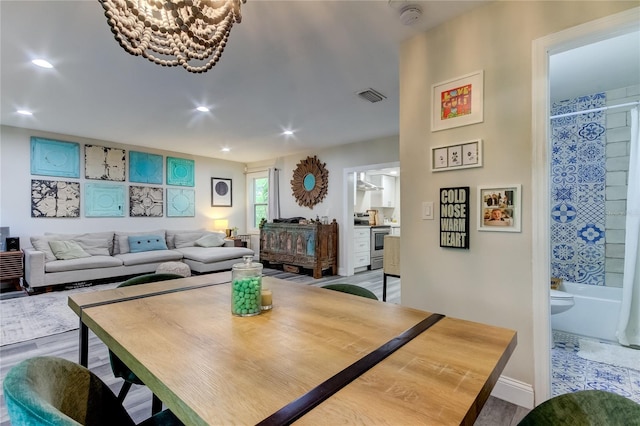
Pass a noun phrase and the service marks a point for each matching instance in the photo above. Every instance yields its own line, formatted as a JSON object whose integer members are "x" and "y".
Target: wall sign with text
{"x": 454, "y": 217}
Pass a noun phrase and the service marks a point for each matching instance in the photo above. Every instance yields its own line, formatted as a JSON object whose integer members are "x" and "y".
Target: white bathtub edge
{"x": 514, "y": 391}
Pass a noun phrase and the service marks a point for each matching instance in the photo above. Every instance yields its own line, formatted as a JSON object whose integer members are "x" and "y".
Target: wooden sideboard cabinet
{"x": 293, "y": 246}
{"x": 11, "y": 267}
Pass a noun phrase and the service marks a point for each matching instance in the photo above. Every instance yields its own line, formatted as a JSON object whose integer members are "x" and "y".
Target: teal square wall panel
{"x": 55, "y": 158}
{"x": 181, "y": 202}
{"x": 180, "y": 171}
{"x": 145, "y": 167}
{"x": 104, "y": 200}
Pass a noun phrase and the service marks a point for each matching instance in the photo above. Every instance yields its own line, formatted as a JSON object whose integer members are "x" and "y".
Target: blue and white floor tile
{"x": 570, "y": 373}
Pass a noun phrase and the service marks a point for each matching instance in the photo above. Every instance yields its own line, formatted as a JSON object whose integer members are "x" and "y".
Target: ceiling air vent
{"x": 372, "y": 95}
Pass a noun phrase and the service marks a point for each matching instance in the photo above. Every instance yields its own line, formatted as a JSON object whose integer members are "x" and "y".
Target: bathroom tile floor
{"x": 570, "y": 373}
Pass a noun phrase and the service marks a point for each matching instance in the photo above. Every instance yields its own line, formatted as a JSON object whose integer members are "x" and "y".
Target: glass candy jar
{"x": 246, "y": 288}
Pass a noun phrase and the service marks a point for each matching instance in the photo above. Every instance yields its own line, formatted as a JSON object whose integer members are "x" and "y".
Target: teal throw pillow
{"x": 141, "y": 243}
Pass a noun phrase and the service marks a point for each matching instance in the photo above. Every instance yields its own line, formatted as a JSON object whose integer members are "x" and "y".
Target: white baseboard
{"x": 514, "y": 391}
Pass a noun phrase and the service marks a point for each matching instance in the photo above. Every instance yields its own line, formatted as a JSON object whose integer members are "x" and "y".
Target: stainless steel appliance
{"x": 377, "y": 245}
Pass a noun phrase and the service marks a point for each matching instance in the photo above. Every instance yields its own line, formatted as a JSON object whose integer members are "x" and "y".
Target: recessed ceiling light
{"x": 42, "y": 63}
{"x": 24, "y": 112}
{"x": 203, "y": 109}
{"x": 288, "y": 133}
{"x": 225, "y": 149}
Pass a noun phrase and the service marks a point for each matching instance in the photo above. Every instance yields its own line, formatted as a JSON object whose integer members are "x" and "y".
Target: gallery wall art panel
{"x": 55, "y": 158}
{"x": 145, "y": 167}
{"x": 180, "y": 171}
{"x": 104, "y": 200}
{"x": 181, "y": 202}
{"x": 145, "y": 201}
{"x": 104, "y": 163}
{"x": 52, "y": 198}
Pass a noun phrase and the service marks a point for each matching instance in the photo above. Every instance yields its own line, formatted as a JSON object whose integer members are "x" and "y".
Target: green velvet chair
{"x": 352, "y": 289}
{"x": 585, "y": 408}
{"x": 48, "y": 391}
{"x": 117, "y": 366}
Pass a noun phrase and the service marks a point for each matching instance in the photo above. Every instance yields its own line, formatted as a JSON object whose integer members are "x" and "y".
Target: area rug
{"x": 609, "y": 354}
{"x": 26, "y": 318}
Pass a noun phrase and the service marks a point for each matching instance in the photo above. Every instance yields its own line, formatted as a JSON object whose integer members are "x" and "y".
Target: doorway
{"x": 583, "y": 35}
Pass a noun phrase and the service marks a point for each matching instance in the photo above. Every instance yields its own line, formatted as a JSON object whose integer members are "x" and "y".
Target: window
{"x": 258, "y": 201}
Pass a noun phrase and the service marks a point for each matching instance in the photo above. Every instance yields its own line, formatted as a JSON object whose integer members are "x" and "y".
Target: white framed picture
{"x": 457, "y": 102}
{"x": 499, "y": 208}
{"x": 461, "y": 155}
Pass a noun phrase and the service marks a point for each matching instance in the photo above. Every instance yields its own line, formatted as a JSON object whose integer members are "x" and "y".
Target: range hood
{"x": 363, "y": 185}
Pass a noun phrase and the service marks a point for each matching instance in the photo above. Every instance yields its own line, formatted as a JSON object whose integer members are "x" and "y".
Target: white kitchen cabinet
{"x": 387, "y": 196}
{"x": 395, "y": 230}
{"x": 361, "y": 248}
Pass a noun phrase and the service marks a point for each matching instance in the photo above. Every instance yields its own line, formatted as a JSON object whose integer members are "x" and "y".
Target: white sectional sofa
{"x": 57, "y": 259}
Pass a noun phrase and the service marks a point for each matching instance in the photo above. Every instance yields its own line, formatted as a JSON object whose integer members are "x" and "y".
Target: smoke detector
{"x": 409, "y": 15}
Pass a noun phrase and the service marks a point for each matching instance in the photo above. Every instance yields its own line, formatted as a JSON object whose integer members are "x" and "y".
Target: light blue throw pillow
{"x": 139, "y": 243}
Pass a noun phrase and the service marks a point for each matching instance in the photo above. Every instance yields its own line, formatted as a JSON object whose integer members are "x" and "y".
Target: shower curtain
{"x": 628, "y": 332}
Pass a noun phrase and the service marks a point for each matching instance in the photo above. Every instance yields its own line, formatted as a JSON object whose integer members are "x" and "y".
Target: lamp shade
{"x": 220, "y": 224}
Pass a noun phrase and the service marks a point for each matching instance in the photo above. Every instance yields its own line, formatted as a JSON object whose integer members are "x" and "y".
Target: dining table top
{"x": 211, "y": 367}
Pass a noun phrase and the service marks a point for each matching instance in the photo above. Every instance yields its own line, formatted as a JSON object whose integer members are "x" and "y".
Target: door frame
{"x": 581, "y": 35}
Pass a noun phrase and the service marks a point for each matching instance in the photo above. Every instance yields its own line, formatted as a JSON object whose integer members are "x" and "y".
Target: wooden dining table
{"x": 318, "y": 357}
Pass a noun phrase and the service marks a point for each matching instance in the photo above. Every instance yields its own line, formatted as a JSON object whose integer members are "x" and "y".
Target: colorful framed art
{"x": 180, "y": 171}
{"x": 181, "y": 202}
{"x": 104, "y": 200}
{"x": 457, "y": 102}
{"x": 145, "y": 167}
{"x": 500, "y": 208}
{"x": 55, "y": 158}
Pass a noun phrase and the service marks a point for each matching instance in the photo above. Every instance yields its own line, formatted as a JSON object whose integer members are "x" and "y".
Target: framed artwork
{"x": 145, "y": 167}
{"x": 55, "y": 158}
{"x": 145, "y": 201}
{"x": 221, "y": 191}
{"x": 180, "y": 171}
{"x": 454, "y": 217}
{"x": 462, "y": 155}
{"x": 53, "y": 198}
{"x": 104, "y": 200}
{"x": 181, "y": 202}
{"x": 500, "y": 208}
{"x": 103, "y": 163}
{"x": 457, "y": 102}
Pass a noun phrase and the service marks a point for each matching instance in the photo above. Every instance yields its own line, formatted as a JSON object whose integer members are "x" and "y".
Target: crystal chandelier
{"x": 190, "y": 33}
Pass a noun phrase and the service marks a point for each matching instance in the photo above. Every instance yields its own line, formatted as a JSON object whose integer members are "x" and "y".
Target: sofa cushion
{"x": 41, "y": 243}
{"x": 65, "y": 250}
{"x": 187, "y": 239}
{"x": 155, "y": 256}
{"x": 138, "y": 244}
{"x": 121, "y": 240}
{"x": 171, "y": 235}
{"x": 91, "y": 262}
{"x": 213, "y": 254}
{"x": 95, "y": 246}
{"x": 211, "y": 239}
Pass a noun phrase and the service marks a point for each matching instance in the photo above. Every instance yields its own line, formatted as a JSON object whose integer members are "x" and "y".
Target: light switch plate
{"x": 427, "y": 210}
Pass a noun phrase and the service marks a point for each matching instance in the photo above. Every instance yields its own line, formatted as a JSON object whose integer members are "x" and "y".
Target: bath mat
{"x": 609, "y": 354}
{"x": 26, "y": 318}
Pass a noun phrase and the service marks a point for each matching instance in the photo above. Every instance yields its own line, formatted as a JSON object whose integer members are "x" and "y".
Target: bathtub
{"x": 595, "y": 313}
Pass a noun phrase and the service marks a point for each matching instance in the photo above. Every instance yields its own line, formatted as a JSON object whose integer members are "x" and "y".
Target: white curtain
{"x": 628, "y": 332}
{"x": 274, "y": 193}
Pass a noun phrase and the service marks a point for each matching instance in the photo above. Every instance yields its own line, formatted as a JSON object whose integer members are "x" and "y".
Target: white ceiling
{"x": 289, "y": 64}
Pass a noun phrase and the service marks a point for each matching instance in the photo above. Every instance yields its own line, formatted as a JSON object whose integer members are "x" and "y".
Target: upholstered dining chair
{"x": 54, "y": 391}
{"x": 584, "y": 408}
{"x": 117, "y": 366}
{"x": 352, "y": 289}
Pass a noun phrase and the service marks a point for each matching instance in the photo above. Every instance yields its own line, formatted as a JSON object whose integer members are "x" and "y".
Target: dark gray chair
{"x": 117, "y": 366}
{"x": 352, "y": 289}
{"x": 47, "y": 391}
{"x": 585, "y": 408}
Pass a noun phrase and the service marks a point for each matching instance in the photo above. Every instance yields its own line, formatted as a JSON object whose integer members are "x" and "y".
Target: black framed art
{"x": 221, "y": 192}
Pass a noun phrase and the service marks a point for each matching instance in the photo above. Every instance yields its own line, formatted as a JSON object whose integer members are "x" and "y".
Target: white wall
{"x": 492, "y": 281}
{"x": 15, "y": 191}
